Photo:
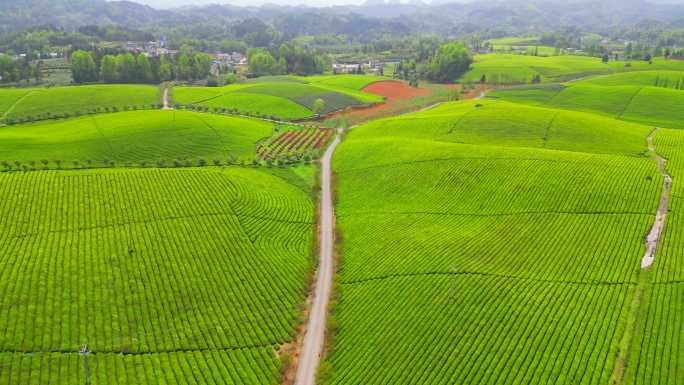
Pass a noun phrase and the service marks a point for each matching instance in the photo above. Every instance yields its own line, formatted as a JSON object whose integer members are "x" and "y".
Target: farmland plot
{"x": 131, "y": 137}
{"x": 58, "y": 102}
{"x": 641, "y": 104}
{"x": 657, "y": 357}
{"x": 478, "y": 263}
{"x": 288, "y": 98}
{"x": 156, "y": 276}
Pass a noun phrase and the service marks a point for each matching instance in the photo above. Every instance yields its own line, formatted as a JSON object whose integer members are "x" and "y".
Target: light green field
{"x": 497, "y": 244}
{"x": 192, "y": 276}
{"x": 354, "y": 82}
{"x": 666, "y": 79}
{"x": 655, "y": 106}
{"x": 45, "y": 103}
{"x": 656, "y": 352}
{"x": 133, "y": 137}
{"x": 288, "y": 98}
{"x": 514, "y": 40}
{"x": 515, "y": 125}
{"x": 512, "y": 69}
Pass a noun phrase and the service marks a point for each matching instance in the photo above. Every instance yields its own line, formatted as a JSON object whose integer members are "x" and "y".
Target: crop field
{"x": 659, "y": 358}
{"x": 296, "y": 143}
{"x": 286, "y": 98}
{"x": 489, "y": 242}
{"x": 129, "y": 138}
{"x": 650, "y": 105}
{"x": 509, "y": 124}
{"x": 665, "y": 79}
{"x": 192, "y": 276}
{"x": 516, "y": 69}
{"x": 59, "y": 102}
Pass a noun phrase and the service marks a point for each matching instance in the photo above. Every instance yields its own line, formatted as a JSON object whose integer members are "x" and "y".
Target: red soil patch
{"x": 395, "y": 90}
{"x": 399, "y": 99}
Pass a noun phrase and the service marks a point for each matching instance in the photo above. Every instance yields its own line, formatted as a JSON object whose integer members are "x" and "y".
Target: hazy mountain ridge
{"x": 446, "y": 17}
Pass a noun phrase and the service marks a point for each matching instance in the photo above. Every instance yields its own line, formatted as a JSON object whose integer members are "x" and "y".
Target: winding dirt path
{"x": 314, "y": 339}
{"x": 653, "y": 237}
{"x": 166, "y": 99}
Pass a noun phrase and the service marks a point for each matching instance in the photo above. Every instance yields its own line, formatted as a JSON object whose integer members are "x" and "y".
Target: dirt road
{"x": 653, "y": 237}
{"x": 166, "y": 99}
{"x": 310, "y": 355}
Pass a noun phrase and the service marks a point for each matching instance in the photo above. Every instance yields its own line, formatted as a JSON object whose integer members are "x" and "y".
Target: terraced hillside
{"x": 287, "y": 98}
{"x": 150, "y": 276}
{"x": 31, "y": 104}
{"x": 131, "y": 138}
{"x": 516, "y": 69}
{"x": 489, "y": 243}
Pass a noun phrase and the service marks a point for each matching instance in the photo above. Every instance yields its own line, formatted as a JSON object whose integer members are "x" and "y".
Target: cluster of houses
{"x": 158, "y": 48}
{"x": 372, "y": 67}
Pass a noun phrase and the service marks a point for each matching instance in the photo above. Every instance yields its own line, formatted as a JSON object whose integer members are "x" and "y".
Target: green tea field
{"x": 131, "y": 138}
{"x": 287, "y": 98}
{"x": 150, "y": 276}
{"x": 495, "y": 242}
{"x": 646, "y": 104}
{"x": 32, "y": 104}
{"x": 501, "y": 68}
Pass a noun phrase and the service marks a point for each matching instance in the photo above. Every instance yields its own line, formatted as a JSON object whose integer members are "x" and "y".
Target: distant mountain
{"x": 368, "y": 21}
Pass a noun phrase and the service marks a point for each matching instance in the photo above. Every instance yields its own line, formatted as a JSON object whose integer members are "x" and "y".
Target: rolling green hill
{"x": 132, "y": 137}
{"x": 32, "y": 104}
{"x": 656, "y": 106}
{"x": 191, "y": 276}
{"x": 500, "y": 123}
{"x": 516, "y": 69}
{"x": 477, "y": 249}
{"x": 287, "y": 98}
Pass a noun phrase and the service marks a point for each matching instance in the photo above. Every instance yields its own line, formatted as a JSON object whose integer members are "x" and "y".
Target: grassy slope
{"x": 289, "y": 98}
{"x": 449, "y": 247}
{"x": 133, "y": 137}
{"x": 80, "y": 99}
{"x": 656, "y": 106}
{"x": 511, "y": 124}
{"x": 199, "y": 273}
{"x": 510, "y": 68}
{"x": 656, "y": 356}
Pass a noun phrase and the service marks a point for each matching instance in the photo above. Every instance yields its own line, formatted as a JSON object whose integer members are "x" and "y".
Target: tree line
{"x": 286, "y": 59}
{"x": 87, "y": 67}
{"x": 446, "y": 65}
{"x": 13, "y": 71}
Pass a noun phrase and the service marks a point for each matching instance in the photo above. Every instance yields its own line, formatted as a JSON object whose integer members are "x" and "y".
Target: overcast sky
{"x": 175, "y": 3}
{"x": 178, "y": 3}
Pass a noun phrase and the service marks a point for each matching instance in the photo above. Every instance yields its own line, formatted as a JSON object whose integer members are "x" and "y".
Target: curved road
{"x": 312, "y": 348}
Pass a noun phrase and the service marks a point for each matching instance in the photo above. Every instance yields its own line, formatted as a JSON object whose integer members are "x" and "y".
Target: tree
{"x": 166, "y": 72}
{"x": 261, "y": 63}
{"x": 126, "y": 68}
{"x": 108, "y": 69}
{"x": 144, "y": 69}
{"x": 319, "y": 107}
{"x": 202, "y": 65}
{"x": 449, "y": 63}
{"x": 83, "y": 67}
{"x": 184, "y": 67}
